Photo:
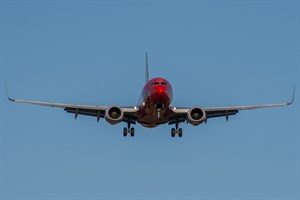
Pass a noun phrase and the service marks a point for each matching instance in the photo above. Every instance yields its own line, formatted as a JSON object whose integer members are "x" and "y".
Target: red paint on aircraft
{"x": 155, "y": 100}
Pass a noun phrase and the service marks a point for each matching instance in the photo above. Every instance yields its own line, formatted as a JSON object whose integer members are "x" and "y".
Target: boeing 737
{"x": 154, "y": 108}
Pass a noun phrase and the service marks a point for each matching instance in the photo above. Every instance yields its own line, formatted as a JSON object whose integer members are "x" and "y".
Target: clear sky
{"x": 214, "y": 53}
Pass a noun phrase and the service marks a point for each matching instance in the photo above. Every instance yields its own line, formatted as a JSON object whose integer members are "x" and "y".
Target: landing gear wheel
{"x": 125, "y": 131}
{"x": 132, "y": 132}
{"x": 180, "y": 132}
{"x": 173, "y": 132}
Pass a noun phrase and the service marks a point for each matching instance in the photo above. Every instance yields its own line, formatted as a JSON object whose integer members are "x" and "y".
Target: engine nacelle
{"x": 114, "y": 115}
{"x": 196, "y": 116}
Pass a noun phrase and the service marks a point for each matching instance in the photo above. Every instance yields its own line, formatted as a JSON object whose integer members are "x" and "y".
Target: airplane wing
{"x": 212, "y": 112}
{"x": 89, "y": 110}
{"x": 232, "y": 110}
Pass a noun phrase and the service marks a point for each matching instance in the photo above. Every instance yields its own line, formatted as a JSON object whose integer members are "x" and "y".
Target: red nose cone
{"x": 160, "y": 89}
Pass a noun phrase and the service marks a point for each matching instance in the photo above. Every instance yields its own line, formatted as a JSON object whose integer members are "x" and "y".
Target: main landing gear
{"x": 128, "y": 130}
{"x": 176, "y": 130}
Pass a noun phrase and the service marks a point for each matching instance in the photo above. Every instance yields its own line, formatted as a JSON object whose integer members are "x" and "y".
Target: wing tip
{"x": 293, "y": 98}
{"x": 8, "y": 97}
{"x": 11, "y": 99}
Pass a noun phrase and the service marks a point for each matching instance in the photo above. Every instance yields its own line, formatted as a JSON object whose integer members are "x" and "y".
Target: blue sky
{"x": 214, "y": 53}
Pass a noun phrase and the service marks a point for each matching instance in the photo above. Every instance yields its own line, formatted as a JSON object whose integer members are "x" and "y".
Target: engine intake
{"x": 114, "y": 115}
{"x": 196, "y": 116}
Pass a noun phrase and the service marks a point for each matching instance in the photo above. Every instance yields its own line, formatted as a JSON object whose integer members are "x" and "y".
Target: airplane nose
{"x": 160, "y": 89}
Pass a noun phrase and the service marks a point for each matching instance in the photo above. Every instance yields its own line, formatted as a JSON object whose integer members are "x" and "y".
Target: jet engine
{"x": 196, "y": 116}
{"x": 114, "y": 115}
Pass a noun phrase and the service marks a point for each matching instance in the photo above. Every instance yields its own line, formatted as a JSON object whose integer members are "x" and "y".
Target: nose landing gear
{"x": 128, "y": 130}
{"x": 176, "y": 130}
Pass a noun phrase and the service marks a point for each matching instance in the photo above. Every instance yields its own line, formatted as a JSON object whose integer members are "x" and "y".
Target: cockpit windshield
{"x": 158, "y": 83}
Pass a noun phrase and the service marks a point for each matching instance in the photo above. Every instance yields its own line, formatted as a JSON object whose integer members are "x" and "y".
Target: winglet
{"x": 289, "y": 103}
{"x": 9, "y": 98}
{"x": 147, "y": 71}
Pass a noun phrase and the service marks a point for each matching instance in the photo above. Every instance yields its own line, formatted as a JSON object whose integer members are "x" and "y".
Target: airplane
{"x": 153, "y": 109}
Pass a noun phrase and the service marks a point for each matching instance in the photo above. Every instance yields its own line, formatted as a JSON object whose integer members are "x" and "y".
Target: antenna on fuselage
{"x": 147, "y": 71}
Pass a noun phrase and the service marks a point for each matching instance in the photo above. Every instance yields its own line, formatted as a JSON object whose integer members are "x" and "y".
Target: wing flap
{"x": 88, "y": 112}
{"x": 214, "y": 114}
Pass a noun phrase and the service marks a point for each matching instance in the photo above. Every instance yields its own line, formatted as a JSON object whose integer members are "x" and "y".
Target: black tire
{"x": 132, "y": 132}
{"x": 125, "y": 131}
{"x": 173, "y": 132}
{"x": 180, "y": 132}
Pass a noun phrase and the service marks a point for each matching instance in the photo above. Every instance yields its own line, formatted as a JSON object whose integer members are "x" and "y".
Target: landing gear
{"x": 173, "y": 132}
{"x": 125, "y": 131}
{"x": 176, "y": 130}
{"x": 180, "y": 132}
{"x": 132, "y": 132}
{"x": 128, "y": 130}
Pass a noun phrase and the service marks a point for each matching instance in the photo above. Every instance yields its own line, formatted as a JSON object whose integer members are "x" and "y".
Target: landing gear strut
{"x": 128, "y": 130}
{"x": 176, "y": 130}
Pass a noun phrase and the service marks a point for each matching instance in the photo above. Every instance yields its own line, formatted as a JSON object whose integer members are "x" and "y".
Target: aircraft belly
{"x": 152, "y": 122}
{"x": 152, "y": 117}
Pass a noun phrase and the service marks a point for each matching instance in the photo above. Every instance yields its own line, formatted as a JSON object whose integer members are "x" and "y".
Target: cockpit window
{"x": 158, "y": 83}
